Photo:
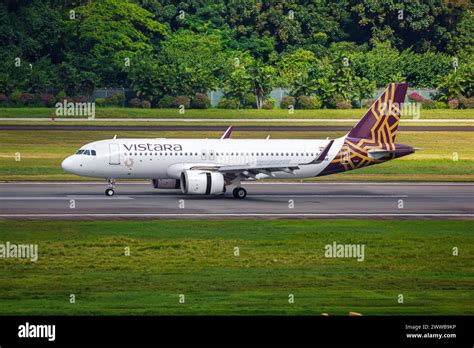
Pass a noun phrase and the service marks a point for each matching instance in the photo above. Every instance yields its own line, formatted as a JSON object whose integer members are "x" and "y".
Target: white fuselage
{"x": 167, "y": 158}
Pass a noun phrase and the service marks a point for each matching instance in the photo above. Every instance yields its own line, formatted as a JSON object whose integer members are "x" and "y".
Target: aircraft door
{"x": 211, "y": 155}
{"x": 203, "y": 154}
{"x": 114, "y": 154}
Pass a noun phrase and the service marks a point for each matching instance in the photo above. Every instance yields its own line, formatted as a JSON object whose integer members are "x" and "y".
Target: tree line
{"x": 328, "y": 53}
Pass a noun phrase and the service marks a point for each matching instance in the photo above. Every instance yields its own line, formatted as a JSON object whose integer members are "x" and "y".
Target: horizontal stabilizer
{"x": 379, "y": 154}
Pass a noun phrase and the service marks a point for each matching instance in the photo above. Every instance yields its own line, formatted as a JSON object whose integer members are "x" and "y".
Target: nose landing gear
{"x": 110, "y": 188}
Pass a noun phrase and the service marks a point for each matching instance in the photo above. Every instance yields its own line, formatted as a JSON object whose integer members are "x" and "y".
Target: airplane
{"x": 208, "y": 166}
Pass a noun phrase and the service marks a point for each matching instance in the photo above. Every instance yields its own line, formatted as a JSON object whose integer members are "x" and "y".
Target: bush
{"x": 440, "y": 105}
{"x": 99, "y": 101}
{"x": 428, "y": 104}
{"x": 60, "y": 96}
{"x": 356, "y": 104}
{"x": 415, "y": 97}
{"x": 367, "y": 103}
{"x": 47, "y": 99}
{"x": 286, "y": 102}
{"x": 344, "y": 105}
{"x": 200, "y": 101}
{"x": 307, "y": 102}
{"x": 115, "y": 99}
{"x": 268, "y": 104}
{"x": 15, "y": 97}
{"x": 146, "y": 104}
{"x": 182, "y": 100}
{"x": 228, "y": 103}
{"x": 27, "y": 99}
{"x": 135, "y": 102}
{"x": 167, "y": 102}
{"x": 249, "y": 101}
{"x": 453, "y": 103}
{"x": 466, "y": 103}
{"x": 4, "y": 100}
{"x": 80, "y": 99}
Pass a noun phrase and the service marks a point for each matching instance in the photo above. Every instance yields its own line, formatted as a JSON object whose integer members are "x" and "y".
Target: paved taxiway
{"x": 43, "y": 200}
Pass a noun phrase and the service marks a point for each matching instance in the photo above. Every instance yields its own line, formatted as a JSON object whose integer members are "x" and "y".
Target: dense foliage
{"x": 334, "y": 51}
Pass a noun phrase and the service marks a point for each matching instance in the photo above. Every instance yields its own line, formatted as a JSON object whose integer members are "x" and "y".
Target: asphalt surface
{"x": 154, "y": 128}
{"x": 138, "y": 200}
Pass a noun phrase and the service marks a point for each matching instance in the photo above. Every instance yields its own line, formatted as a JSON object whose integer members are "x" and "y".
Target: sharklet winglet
{"x": 323, "y": 154}
{"x": 227, "y": 133}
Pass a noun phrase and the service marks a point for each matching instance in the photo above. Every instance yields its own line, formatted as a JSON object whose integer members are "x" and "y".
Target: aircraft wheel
{"x": 109, "y": 192}
{"x": 239, "y": 192}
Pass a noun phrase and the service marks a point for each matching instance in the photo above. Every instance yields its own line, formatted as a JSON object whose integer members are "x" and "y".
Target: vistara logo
{"x": 153, "y": 147}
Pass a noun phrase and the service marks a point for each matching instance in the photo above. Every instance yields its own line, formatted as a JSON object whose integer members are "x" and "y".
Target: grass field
{"x": 111, "y": 112}
{"x": 42, "y": 152}
{"x": 276, "y": 258}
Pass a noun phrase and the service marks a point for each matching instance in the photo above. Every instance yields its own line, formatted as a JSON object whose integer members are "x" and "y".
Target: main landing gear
{"x": 239, "y": 192}
{"x": 110, "y": 188}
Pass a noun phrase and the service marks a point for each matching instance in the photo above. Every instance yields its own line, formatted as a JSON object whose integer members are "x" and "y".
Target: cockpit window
{"x": 86, "y": 152}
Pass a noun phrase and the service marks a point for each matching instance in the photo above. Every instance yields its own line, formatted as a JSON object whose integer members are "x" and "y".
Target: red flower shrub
{"x": 415, "y": 97}
{"x": 47, "y": 99}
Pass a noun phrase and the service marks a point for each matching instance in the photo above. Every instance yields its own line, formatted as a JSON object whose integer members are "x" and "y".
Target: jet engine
{"x": 166, "y": 183}
{"x": 198, "y": 182}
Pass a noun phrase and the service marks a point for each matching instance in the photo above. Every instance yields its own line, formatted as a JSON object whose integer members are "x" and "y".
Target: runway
{"x": 199, "y": 128}
{"x": 265, "y": 200}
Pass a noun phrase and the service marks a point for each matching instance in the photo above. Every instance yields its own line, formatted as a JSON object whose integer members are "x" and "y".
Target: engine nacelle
{"x": 166, "y": 183}
{"x": 198, "y": 182}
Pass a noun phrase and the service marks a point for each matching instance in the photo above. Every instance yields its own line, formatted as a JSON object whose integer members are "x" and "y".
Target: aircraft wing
{"x": 268, "y": 169}
{"x": 252, "y": 171}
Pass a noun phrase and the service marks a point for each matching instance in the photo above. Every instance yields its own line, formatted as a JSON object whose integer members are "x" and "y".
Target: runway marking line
{"x": 254, "y": 183}
{"x": 247, "y": 215}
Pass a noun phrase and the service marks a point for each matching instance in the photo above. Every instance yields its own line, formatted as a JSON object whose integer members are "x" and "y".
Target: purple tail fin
{"x": 380, "y": 122}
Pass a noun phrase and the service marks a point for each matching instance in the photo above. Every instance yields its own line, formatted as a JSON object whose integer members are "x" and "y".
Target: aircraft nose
{"x": 68, "y": 164}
